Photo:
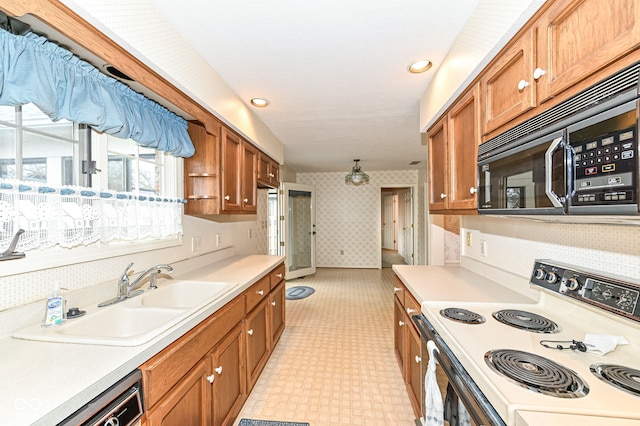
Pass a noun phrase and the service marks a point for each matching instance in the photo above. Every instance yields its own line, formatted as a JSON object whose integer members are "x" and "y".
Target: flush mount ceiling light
{"x": 356, "y": 176}
{"x": 259, "y": 102}
{"x": 420, "y": 66}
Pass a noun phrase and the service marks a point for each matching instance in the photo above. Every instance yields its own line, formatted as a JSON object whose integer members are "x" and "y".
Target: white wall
{"x": 348, "y": 217}
{"x": 514, "y": 244}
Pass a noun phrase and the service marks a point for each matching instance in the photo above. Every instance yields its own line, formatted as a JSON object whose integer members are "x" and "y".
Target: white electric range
{"x": 497, "y": 357}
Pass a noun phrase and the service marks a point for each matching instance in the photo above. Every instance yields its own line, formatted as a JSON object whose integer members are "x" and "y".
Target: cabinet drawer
{"x": 165, "y": 369}
{"x": 399, "y": 290}
{"x": 277, "y": 275}
{"x": 258, "y": 292}
{"x": 411, "y": 305}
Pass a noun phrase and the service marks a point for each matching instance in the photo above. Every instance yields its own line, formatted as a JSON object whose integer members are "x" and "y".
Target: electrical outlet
{"x": 196, "y": 243}
{"x": 250, "y": 233}
{"x": 483, "y": 248}
{"x": 218, "y": 240}
{"x": 469, "y": 237}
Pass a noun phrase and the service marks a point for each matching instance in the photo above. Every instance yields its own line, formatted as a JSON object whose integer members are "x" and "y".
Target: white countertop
{"x": 456, "y": 284}
{"x": 43, "y": 382}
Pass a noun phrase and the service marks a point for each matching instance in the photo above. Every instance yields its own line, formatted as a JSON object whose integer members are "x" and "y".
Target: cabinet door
{"x": 579, "y": 37}
{"x": 201, "y": 183}
{"x": 277, "y": 312}
{"x": 229, "y": 385}
{"x": 249, "y": 176}
{"x": 257, "y": 341}
{"x": 438, "y": 165}
{"x": 414, "y": 368}
{"x": 399, "y": 328}
{"x": 507, "y": 88}
{"x": 462, "y": 159}
{"x": 231, "y": 153}
{"x": 186, "y": 403}
{"x": 274, "y": 174}
{"x": 264, "y": 164}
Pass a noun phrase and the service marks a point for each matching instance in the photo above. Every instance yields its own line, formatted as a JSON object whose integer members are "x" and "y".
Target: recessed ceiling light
{"x": 259, "y": 102}
{"x": 420, "y": 66}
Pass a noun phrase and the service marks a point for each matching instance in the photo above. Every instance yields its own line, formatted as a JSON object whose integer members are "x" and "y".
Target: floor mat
{"x": 299, "y": 292}
{"x": 251, "y": 422}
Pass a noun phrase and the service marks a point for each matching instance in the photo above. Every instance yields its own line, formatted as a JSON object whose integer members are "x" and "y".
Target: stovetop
{"x": 473, "y": 343}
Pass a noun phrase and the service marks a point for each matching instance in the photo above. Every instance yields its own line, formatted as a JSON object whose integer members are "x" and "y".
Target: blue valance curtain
{"x": 35, "y": 70}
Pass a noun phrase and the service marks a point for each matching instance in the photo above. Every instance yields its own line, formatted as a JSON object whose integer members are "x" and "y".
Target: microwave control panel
{"x": 609, "y": 293}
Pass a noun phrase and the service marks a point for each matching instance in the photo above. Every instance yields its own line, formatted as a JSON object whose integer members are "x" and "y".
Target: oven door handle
{"x": 457, "y": 378}
{"x": 548, "y": 171}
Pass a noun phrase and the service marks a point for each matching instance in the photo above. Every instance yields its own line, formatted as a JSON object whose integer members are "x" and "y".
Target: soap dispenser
{"x": 55, "y": 311}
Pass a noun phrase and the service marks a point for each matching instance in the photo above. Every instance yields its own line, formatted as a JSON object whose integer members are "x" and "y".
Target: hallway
{"x": 335, "y": 363}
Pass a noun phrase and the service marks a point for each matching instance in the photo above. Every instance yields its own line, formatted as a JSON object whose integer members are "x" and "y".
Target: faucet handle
{"x": 124, "y": 278}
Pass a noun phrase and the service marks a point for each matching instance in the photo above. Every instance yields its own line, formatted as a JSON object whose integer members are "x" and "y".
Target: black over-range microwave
{"x": 578, "y": 158}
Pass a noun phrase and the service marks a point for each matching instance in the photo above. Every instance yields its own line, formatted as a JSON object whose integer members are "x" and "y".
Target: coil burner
{"x": 526, "y": 321}
{"x": 536, "y": 373}
{"x": 621, "y": 377}
{"x": 462, "y": 315}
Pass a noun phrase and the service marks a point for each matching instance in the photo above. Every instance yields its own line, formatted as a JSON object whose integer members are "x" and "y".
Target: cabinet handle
{"x": 227, "y": 197}
{"x": 272, "y": 175}
{"x": 396, "y": 289}
{"x": 246, "y": 200}
{"x": 260, "y": 292}
{"x": 418, "y": 359}
{"x": 443, "y": 195}
{"x": 400, "y": 323}
{"x": 537, "y": 73}
{"x": 522, "y": 84}
{"x": 250, "y": 332}
{"x": 218, "y": 370}
{"x": 273, "y": 303}
{"x": 279, "y": 275}
{"x": 211, "y": 378}
{"x": 473, "y": 190}
{"x": 410, "y": 311}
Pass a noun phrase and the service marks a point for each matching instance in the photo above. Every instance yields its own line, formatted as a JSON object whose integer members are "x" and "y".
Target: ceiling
{"x": 334, "y": 71}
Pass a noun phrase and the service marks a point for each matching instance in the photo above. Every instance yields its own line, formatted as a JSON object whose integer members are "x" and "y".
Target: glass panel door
{"x": 299, "y": 230}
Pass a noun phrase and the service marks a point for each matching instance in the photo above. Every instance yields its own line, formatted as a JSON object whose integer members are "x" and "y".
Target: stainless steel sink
{"x": 136, "y": 320}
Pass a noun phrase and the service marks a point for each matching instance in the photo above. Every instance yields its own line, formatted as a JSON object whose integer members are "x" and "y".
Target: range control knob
{"x": 552, "y": 277}
{"x": 572, "y": 284}
{"x": 539, "y": 274}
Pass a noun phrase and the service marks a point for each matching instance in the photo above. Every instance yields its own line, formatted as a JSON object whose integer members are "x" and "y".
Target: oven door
{"x": 456, "y": 384}
{"x": 528, "y": 178}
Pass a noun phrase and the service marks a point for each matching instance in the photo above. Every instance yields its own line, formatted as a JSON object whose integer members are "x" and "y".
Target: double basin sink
{"x": 136, "y": 320}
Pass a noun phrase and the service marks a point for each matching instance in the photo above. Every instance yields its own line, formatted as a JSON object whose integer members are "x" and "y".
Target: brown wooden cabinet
{"x": 407, "y": 344}
{"x": 453, "y": 150}
{"x": 555, "y": 55}
{"x": 204, "y": 377}
{"x": 268, "y": 172}
{"x": 228, "y": 378}
{"x": 506, "y": 89}
{"x": 238, "y": 174}
{"x": 186, "y": 404}
{"x": 201, "y": 182}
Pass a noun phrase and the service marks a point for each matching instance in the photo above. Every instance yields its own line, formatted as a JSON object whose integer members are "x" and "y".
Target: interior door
{"x": 299, "y": 230}
{"x": 408, "y": 227}
{"x": 388, "y": 222}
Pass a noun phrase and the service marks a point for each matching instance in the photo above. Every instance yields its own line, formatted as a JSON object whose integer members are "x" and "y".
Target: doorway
{"x": 397, "y": 233}
{"x": 299, "y": 230}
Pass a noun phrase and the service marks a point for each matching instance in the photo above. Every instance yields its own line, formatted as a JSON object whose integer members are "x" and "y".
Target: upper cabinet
{"x": 453, "y": 151}
{"x": 268, "y": 172}
{"x": 556, "y": 53}
{"x": 579, "y": 37}
{"x": 222, "y": 176}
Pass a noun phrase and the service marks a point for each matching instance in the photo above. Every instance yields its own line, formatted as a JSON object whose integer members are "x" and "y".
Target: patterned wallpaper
{"x": 348, "y": 217}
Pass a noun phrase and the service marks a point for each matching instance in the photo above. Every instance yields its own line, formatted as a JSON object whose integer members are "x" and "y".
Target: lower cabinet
{"x": 228, "y": 378}
{"x": 186, "y": 404}
{"x": 204, "y": 377}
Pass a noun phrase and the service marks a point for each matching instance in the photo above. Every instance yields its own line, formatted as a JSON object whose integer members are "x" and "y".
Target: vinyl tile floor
{"x": 335, "y": 363}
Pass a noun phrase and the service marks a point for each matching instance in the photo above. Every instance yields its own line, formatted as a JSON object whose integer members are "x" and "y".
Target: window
{"x": 33, "y": 148}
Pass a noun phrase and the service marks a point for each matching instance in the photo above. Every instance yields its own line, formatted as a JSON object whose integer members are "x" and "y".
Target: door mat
{"x": 299, "y": 292}
{"x": 250, "y": 422}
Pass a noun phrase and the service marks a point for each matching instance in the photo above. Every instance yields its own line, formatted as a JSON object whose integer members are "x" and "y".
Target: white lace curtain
{"x": 71, "y": 216}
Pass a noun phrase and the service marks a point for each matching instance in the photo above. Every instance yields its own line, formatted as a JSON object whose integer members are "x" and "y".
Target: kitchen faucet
{"x": 126, "y": 289}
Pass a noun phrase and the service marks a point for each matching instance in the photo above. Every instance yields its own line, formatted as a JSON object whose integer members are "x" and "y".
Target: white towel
{"x": 433, "y": 407}
{"x": 602, "y": 344}
{"x": 463, "y": 415}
